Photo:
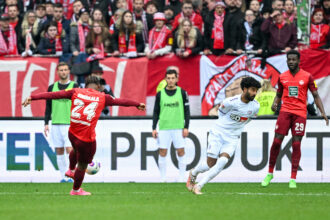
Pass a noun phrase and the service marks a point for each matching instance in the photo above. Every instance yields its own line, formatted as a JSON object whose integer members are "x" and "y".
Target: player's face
{"x": 293, "y": 62}
{"x": 251, "y": 93}
{"x": 63, "y": 72}
{"x": 171, "y": 80}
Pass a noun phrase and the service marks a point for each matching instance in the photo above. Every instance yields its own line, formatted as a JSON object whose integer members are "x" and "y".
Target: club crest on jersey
{"x": 238, "y": 118}
{"x": 301, "y": 82}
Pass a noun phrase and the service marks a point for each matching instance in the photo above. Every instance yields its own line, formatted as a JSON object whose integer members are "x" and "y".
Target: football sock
{"x": 201, "y": 168}
{"x": 295, "y": 158}
{"x": 67, "y": 160}
{"x": 274, "y": 151}
{"x": 214, "y": 171}
{"x": 162, "y": 167}
{"x": 78, "y": 178}
{"x": 182, "y": 166}
{"x": 61, "y": 164}
{"x": 73, "y": 160}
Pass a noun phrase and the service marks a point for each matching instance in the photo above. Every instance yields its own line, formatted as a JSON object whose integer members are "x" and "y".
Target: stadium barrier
{"x": 128, "y": 152}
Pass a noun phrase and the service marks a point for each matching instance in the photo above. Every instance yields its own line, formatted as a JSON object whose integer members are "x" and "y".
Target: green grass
{"x": 165, "y": 201}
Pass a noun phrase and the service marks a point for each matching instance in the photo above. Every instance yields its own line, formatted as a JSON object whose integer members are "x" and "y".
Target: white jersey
{"x": 234, "y": 115}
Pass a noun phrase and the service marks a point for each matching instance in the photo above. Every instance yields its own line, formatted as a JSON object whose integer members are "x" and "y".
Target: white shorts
{"x": 165, "y": 138}
{"x": 59, "y": 136}
{"x": 219, "y": 143}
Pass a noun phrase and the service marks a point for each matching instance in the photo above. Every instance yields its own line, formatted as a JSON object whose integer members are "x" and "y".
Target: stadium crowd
{"x": 92, "y": 29}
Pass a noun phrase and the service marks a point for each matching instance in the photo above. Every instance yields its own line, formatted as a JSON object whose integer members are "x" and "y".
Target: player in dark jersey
{"x": 292, "y": 91}
{"x": 87, "y": 105}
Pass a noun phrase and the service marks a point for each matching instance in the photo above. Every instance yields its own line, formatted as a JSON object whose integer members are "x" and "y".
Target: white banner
{"x": 128, "y": 153}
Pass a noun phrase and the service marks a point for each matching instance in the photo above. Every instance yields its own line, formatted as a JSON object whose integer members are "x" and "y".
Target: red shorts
{"x": 84, "y": 150}
{"x": 287, "y": 120}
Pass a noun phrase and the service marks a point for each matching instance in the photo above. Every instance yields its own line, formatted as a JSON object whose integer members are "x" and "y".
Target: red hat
{"x": 159, "y": 16}
{"x": 221, "y": 3}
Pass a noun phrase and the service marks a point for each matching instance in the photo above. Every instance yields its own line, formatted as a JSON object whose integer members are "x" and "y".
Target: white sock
{"x": 67, "y": 161}
{"x": 182, "y": 166}
{"x": 201, "y": 168}
{"x": 214, "y": 171}
{"x": 61, "y": 164}
{"x": 162, "y": 167}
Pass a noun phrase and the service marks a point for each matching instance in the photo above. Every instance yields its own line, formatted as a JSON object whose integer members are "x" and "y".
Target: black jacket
{"x": 230, "y": 28}
{"x": 199, "y": 43}
{"x": 47, "y": 47}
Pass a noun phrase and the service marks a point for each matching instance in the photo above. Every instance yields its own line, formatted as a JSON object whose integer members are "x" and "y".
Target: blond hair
{"x": 192, "y": 35}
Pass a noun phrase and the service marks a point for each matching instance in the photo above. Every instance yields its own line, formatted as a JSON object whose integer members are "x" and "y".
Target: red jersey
{"x": 86, "y": 108}
{"x": 294, "y": 91}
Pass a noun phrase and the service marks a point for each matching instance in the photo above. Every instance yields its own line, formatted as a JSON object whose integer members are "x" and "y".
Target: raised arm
{"x": 49, "y": 95}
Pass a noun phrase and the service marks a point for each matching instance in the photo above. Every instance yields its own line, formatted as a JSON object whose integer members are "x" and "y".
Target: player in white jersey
{"x": 234, "y": 114}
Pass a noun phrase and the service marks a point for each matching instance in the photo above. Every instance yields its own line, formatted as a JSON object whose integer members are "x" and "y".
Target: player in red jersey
{"x": 87, "y": 105}
{"x": 292, "y": 90}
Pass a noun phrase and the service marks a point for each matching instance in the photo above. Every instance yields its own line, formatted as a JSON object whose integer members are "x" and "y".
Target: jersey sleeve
{"x": 225, "y": 106}
{"x": 280, "y": 86}
{"x": 63, "y": 94}
{"x": 312, "y": 84}
{"x": 110, "y": 100}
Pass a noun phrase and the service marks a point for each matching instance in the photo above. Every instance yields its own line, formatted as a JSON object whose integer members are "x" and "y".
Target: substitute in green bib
{"x": 172, "y": 111}
{"x": 58, "y": 111}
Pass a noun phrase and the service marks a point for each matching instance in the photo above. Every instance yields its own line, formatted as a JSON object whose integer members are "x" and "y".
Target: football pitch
{"x": 165, "y": 201}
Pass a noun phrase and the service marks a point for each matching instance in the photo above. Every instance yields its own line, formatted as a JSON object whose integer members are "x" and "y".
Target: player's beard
{"x": 249, "y": 97}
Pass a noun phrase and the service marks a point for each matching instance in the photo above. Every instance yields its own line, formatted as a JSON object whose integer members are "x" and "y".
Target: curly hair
{"x": 249, "y": 82}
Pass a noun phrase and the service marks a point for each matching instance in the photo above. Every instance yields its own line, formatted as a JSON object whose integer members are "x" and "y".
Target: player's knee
{"x": 279, "y": 136}
{"x": 225, "y": 155}
{"x": 59, "y": 150}
{"x": 297, "y": 138}
{"x": 163, "y": 152}
{"x": 211, "y": 162}
{"x": 180, "y": 152}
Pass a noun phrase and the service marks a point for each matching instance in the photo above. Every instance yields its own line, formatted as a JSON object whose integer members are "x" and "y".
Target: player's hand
{"x": 27, "y": 101}
{"x": 326, "y": 119}
{"x": 142, "y": 107}
{"x": 46, "y": 130}
{"x": 274, "y": 107}
{"x": 185, "y": 132}
{"x": 154, "y": 133}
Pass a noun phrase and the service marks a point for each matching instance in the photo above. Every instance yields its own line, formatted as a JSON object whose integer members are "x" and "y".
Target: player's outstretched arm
{"x": 319, "y": 104}
{"x": 110, "y": 100}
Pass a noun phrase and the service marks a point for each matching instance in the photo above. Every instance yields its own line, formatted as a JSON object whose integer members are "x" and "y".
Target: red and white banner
{"x": 22, "y": 77}
{"x": 206, "y": 79}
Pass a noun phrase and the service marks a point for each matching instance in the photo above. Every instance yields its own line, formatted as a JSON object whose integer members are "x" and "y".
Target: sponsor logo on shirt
{"x": 172, "y": 105}
{"x": 293, "y": 91}
{"x": 238, "y": 118}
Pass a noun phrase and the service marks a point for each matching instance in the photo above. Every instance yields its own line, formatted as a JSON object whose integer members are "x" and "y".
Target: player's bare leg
{"x": 162, "y": 163}
{"x": 274, "y": 151}
{"x": 217, "y": 166}
{"x": 295, "y": 159}
{"x": 181, "y": 163}
{"x": 79, "y": 175}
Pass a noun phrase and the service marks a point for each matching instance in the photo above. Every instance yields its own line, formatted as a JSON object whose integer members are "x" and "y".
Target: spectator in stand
{"x": 241, "y": 5}
{"x": 16, "y": 24}
{"x": 121, "y": 4}
{"x": 30, "y": 38}
{"x": 188, "y": 40}
{"x": 213, "y": 30}
{"x": 51, "y": 42}
{"x": 104, "y": 6}
{"x": 278, "y": 4}
{"x": 326, "y": 8}
{"x": 77, "y": 6}
{"x": 145, "y": 20}
{"x": 176, "y": 6}
{"x": 188, "y": 12}
{"x": 265, "y": 97}
{"x": 246, "y": 41}
{"x": 6, "y": 3}
{"x": 58, "y": 17}
{"x": 126, "y": 38}
{"x": 119, "y": 12}
{"x": 282, "y": 36}
{"x": 289, "y": 14}
{"x": 67, "y": 7}
{"x": 255, "y": 7}
{"x": 169, "y": 15}
{"x": 151, "y": 7}
{"x": 320, "y": 33}
{"x": 79, "y": 32}
{"x": 98, "y": 16}
{"x": 98, "y": 41}
{"x": 208, "y": 7}
{"x": 233, "y": 17}
{"x": 160, "y": 38}
{"x": 7, "y": 37}
{"x": 41, "y": 14}
{"x": 49, "y": 10}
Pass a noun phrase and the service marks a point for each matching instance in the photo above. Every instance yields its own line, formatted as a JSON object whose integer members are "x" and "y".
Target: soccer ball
{"x": 93, "y": 167}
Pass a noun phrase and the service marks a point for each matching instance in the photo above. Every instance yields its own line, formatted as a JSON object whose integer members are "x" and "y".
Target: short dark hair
{"x": 62, "y": 64}
{"x": 294, "y": 52}
{"x": 171, "y": 71}
{"x": 248, "y": 82}
{"x": 58, "y": 5}
{"x": 92, "y": 80}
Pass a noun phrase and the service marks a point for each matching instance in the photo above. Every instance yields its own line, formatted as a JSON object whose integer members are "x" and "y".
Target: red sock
{"x": 274, "y": 151}
{"x": 295, "y": 158}
{"x": 73, "y": 160}
{"x": 78, "y": 178}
